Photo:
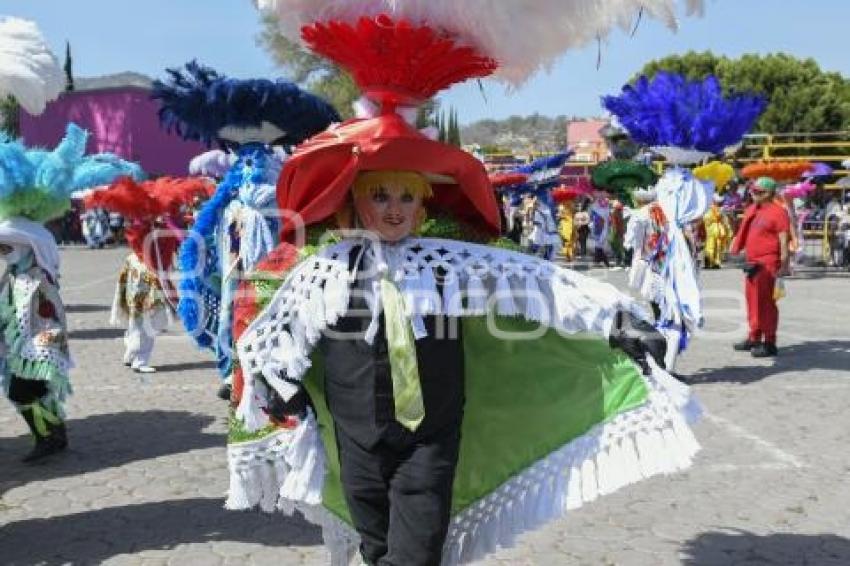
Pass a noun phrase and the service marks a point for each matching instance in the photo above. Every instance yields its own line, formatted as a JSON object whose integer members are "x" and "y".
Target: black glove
{"x": 278, "y": 409}
{"x": 750, "y": 269}
{"x": 636, "y": 338}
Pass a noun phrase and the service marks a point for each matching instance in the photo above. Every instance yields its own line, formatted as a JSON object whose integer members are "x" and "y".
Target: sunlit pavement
{"x": 145, "y": 477}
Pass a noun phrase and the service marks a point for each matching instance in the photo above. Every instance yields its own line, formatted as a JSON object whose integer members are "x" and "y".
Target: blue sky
{"x": 109, "y": 36}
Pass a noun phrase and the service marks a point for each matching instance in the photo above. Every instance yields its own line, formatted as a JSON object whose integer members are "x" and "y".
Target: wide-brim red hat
{"x": 316, "y": 180}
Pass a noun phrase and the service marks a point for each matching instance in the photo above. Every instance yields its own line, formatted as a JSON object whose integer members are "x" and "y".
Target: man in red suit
{"x": 763, "y": 237}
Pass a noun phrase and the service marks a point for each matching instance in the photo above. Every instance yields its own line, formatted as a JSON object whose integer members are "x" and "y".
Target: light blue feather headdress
{"x": 685, "y": 121}
{"x": 37, "y": 184}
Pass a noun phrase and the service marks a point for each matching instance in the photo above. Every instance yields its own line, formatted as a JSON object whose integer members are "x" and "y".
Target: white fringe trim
{"x": 279, "y": 471}
{"x": 650, "y": 440}
{"x": 477, "y": 280}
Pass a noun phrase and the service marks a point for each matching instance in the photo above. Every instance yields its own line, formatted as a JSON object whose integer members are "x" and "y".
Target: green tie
{"x": 407, "y": 391}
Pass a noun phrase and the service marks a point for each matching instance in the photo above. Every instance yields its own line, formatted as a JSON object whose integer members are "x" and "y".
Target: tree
{"x": 453, "y": 132}
{"x": 9, "y": 116}
{"x": 319, "y": 75}
{"x": 801, "y": 96}
{"x": 442, "y": 134}
{"x": 69, "y": 73}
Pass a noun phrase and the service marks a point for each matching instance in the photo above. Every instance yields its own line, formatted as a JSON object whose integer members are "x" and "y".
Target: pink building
{"x": 122, "y": 120}
{"x": 585, "y": 139}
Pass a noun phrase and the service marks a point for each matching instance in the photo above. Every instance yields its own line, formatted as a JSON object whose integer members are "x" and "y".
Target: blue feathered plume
{"x": 256, "y": 166}
{"x": 102, "y": 169}
{"x": 198, "y": 102}
{"x": 672, "y": 111}
{"x": 37, "y": 183}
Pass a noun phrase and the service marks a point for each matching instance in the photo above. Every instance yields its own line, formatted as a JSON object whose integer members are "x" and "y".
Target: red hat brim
{"x": 316, "y": 180}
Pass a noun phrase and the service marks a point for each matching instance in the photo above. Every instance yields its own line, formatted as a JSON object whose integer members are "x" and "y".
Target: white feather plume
{"x": 214, "y": 163}
{"x": 524, "y": 36}
{"x": 29, "y": 71}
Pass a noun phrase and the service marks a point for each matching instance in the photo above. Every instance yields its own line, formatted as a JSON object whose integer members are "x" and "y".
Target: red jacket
{"x": 758, "y": 235}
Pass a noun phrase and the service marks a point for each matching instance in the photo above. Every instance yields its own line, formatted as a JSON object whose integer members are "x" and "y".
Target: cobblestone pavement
{"x": 143, "y": 482}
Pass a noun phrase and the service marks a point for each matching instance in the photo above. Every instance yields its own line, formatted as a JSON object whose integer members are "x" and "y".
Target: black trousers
{"x": 26, "y": 391}
{"x": 400, "y": 497}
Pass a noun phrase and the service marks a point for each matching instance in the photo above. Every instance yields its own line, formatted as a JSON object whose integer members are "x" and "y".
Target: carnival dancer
{"x": 718, "y": 234}
{"x": 35, "y": 188}
{"x": 96, "y": 229}
{"x": 669, "y": 113}
{"x": 143, "y": 301}
{"x": 256, "y": 121}
{"x": 763, "y": 237}
{"x": 600, "y": 226}
{"x": 566, "y": 198}
{"x": 373, "y": 397}
{"x": 618, "y": 232}
{"x": 544, "y": 238}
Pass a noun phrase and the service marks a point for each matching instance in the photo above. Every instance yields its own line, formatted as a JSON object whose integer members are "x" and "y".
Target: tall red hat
{"x": 395, "y": 63}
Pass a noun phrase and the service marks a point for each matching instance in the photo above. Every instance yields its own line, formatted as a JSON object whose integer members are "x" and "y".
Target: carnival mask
{"x": 390, "y": 204}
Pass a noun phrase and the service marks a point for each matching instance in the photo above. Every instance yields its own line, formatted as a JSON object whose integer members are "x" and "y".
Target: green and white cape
{"x": 553, "y": 419}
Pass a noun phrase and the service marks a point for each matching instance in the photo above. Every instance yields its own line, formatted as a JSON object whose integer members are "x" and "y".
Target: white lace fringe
{"x": 646, "y": 441}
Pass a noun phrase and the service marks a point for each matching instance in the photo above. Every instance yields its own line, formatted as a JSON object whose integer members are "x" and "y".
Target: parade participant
{"x": 96, "y": 231}
{"x": 686, "y": 122}
{"x": 35, "y": 187}
{"x": 600, "y": 226}
{"x": 718, "y": 234}
{"x": 566, "y": 197}
{"x": 792, "y": 197}
{"x": 509, "y": 185}
{"x": 374, "y": 397}
{"x": 143, "y": 299}
{"x": 582, "y": 220}
{"x": 763, "y": 238}
{"x": 257, "y": 121}
{"x": 617, "y": 233}
{"x": 544, "y": 238}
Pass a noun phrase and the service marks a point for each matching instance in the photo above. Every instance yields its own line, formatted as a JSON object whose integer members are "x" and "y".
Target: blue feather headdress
{"x": 251, "y": 180}
{"x": 545, "y": 170}
{"x": 37, "y": 184}
{"x": 200, "y": 104}
{"x": 670, "y": 113}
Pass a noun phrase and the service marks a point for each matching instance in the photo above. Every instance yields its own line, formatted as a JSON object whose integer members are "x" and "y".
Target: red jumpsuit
{"x": 758, "y": 237}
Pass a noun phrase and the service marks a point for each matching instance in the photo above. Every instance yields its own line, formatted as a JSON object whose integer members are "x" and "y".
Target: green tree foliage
{"x": 9, "y": 117}
{"x": 802, "y": 97}
{"x": 320, "y": 75}
{"x": 453, "y": 130}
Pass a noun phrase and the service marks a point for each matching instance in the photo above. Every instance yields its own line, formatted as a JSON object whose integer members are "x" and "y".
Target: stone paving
{"x": 143, "y": 482}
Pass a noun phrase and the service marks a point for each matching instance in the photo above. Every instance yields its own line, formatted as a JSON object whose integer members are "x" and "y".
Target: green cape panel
{"x": 524, "y": 399}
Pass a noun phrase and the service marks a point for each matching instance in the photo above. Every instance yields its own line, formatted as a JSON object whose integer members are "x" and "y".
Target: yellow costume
{"x": 718, "y": 236}
{"x": 567, "y": 229}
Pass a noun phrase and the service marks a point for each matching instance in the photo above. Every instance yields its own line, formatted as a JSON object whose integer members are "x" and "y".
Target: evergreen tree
{"x": 10, "y": 116}
{"x": 69, "y": 73}
{"x": 454, "y": 129}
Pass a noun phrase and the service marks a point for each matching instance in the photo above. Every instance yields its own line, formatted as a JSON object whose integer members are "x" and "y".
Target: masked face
{"x": 392, "y": 212}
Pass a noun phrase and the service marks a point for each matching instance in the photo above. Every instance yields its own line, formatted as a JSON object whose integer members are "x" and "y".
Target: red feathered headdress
{"x": 394, "y": 63}
{"x": 563, "y": 194}
{"x": 151, "y": 205}
{"x": 502, "y": 180}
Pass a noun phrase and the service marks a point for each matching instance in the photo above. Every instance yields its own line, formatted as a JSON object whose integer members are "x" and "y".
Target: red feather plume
{"x": 395, "y": 62}
{"x": 500, "y": 180}
{"x": 564, "y": 193}
{"x": 142, "y": 204}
